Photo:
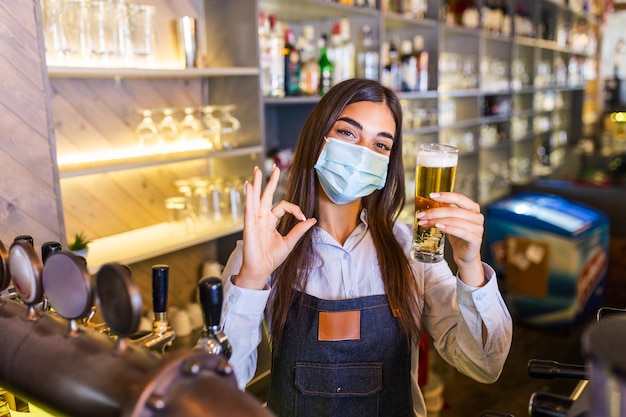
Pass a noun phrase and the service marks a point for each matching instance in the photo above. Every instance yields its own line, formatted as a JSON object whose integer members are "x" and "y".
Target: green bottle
{"x": 326, "y": 66}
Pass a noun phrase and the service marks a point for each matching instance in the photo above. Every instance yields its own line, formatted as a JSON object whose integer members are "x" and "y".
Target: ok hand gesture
{"x": 264, "y": 248}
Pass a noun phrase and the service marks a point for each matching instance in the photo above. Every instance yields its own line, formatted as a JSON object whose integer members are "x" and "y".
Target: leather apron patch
{"x": 339, "y": 325}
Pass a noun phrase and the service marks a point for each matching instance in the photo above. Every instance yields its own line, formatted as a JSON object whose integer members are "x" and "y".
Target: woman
{"x": 330, "y": 271}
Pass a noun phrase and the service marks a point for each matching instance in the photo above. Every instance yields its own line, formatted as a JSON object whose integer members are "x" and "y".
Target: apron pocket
{"x": 347, "y": 389}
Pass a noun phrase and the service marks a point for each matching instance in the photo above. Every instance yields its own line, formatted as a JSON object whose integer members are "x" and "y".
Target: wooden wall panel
{"x": 41, "y": 116}
{"x": 102, "y": 114}
{"x": 29, "y": 191}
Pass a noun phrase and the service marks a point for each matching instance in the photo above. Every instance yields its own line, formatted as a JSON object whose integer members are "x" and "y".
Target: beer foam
{"x": 437, "y": 160}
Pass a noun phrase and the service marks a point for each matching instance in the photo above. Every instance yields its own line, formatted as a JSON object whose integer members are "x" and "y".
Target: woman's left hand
{"x": 463, "y": 223}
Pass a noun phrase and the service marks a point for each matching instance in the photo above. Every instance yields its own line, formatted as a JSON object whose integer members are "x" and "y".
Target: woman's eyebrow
{"x": 360, "y": 127}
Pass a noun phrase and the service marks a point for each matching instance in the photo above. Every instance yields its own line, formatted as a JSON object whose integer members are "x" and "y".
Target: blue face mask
{"x": 348, "y": 172}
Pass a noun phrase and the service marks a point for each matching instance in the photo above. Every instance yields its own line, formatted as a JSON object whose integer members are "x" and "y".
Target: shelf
{"x": 425, "y": 130}
{"x": 501, "y": 146}
{"x": 461, "y": 30}
{"x": 395, "y": 21}
{"x": 523, "y": 113}
{"x": 524, "y": 139}
{"x": 148, "y": 242}
{"x": 524, "y": 41}
{"x": 87, "y": 72}
{"x": 305, "y": 10}
{"x": 418, "y": 95}
{"x": 124, "y": 163}
{"x": 288, "y": 101}
{"x": 469, "y": 92}
{"x": 475, "y": 122}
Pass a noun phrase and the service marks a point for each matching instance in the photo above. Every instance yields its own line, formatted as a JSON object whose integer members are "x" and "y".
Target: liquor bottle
{"x": 385, "y": 77}
{"x": 409, "y": 67}
{"x": 394, "y": 66}
{"x": 265, "y": 57}
{"x": 326, "y": 66}
{"x": 348, "y": 55}
{"x": 413, "y": 9}
{"x": 310, "y": 71}
{"x": 422, "y": 63}
{"x": 368, "y": 57}
{"x": 276, "y": 45}
{"x": 335, "y": 53}
{"x": 293, "y": 63}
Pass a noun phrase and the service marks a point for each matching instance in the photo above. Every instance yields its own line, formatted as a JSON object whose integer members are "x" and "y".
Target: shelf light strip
{"x": 138, "y": 152}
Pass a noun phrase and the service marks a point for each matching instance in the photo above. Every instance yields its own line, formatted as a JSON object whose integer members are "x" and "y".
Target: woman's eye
{"x": 383, "y": 146}
{"x": 346, "y": 133}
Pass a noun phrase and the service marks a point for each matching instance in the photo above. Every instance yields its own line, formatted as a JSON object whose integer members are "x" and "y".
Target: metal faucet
{"x": 212, "y": 338}
{"x": 162, "y": 333}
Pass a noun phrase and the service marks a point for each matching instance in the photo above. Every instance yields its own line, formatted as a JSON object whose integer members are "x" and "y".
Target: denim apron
{"x": 362, "y": 374}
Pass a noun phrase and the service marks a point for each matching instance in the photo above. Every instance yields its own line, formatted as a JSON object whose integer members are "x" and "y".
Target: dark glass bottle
{"x": 293, "y": 64}
{"x": 326, "y": 66}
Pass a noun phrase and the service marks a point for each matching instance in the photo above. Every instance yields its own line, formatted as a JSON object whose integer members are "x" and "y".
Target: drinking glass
{"x": 143, "y": 34}
{"x": 77, "y": 22}
{"x": 190, "y": 127}
{"x": 229, "y": 126}
{"x": 201, "y": 198}
{"x": 146, "y": 131}
{"x": 232, "y": 196}
{"x": 55, "y": 32}
{"x": 185, "y": 187}
{"x": 121, "y": 23}
{"x": 435, "y": 171}
{"x": 176, "y": 209}
{"x": 211, "y": 126}
{"x": 179, "y": 215}
{"x": 168, "y": 127}
{"x": 104, "y": 43}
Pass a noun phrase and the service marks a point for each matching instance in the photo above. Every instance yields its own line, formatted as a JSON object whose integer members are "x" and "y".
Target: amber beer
{"x": 435, "y": 171}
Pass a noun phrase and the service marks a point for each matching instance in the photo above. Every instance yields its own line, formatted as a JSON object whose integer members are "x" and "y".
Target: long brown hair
{"x": 383, "y": 207}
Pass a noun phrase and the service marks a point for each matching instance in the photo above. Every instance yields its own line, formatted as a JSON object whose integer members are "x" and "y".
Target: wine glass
{"x": 146, "y": 131}
{"x": 168, "y": 127}
{"x": 229, "y": 127}
{"x": 211, "y": 126}
{"x": 190, "y": 127}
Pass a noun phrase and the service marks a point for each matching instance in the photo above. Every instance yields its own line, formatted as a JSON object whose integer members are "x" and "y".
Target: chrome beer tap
{"x": 212, "y": 339}
{"x": 162, "y": 333}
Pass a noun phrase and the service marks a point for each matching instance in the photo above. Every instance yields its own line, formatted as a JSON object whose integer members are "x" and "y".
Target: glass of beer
{"x": 435, "y": 171}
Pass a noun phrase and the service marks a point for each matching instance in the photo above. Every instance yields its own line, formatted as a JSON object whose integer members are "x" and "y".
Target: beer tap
{"x": 212, "y": 339}
{"x": 25, "y": 267}
{"x": 162, "y": 333}
{"x": 47, "y": 249}
{"x": 100, "y": 327}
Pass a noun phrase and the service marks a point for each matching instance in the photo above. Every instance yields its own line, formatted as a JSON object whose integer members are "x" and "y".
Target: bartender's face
{"x": 368, "y": 124}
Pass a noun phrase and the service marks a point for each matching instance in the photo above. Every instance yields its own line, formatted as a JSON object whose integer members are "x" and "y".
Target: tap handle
{"x": 160, "y": 280}
{"x": 48, "y": 248}
{"x": 547, "y": 404}
{"x": 546, "y": 369}
{"x": 25, "y": 238}
{"x": 211, "y": 297}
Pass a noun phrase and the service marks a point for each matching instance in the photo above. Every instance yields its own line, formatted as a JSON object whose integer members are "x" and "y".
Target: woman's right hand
{"x": 264, "y": 248}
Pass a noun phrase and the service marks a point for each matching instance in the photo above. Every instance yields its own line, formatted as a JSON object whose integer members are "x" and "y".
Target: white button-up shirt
{"x": 453, "y": 313}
